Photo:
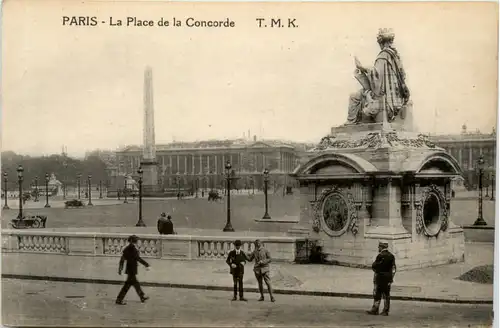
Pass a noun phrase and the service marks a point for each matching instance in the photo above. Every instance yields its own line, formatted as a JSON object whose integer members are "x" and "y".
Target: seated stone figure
{"x": 384, "y": 86}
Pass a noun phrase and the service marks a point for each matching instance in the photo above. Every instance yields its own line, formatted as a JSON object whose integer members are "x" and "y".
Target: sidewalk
{"x": 437, "y": 284}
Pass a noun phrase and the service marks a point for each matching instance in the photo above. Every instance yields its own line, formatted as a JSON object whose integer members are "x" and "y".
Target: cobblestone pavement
{"x": 54, "y": 303}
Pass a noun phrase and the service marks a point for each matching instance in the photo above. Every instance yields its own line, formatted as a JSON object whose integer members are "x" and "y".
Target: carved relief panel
{"x": 335, "y": 212}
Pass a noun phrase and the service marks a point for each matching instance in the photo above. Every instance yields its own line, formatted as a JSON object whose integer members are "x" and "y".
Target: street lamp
{"x": 79, "y": 176}
{"x": 47, "y": 190}
{"x": 89, "y": 182}
{"x": 266, "y": 181}
{"x": 480, "y": 165}
{"x": 65, "y": 165}
{"x": 228, "y": 227}
{"x": 211, "y": 180}
{"x": 492, "y": 185}
{"x": 140, "y": 223}
{"x": 5, "y": 179}
{"x": 36, "y": 189}
{"x": 196, "y": 186}
{"x": 125, "y": 201}
{"x": 20, "y": 171}
{"x": 485, "y": 176}
{"x": 100, "y": 189}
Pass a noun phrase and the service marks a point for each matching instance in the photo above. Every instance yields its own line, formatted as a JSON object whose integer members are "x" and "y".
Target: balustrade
{"x": 220, "y": 249}
{"x": 42, "y": 244}
{"x": 146, "y": 247}
{"x": 150, "y": 246}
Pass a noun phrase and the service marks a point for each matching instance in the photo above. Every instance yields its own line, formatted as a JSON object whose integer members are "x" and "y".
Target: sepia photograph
{"x": 253, "y": 164}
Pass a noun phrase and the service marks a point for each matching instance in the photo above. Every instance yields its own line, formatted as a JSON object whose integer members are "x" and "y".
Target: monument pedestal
{"x": 150, "y": 187}
{"x": 374, "y": 182}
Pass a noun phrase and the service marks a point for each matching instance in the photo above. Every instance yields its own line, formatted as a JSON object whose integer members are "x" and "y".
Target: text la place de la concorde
{"x": 174, "y": 22}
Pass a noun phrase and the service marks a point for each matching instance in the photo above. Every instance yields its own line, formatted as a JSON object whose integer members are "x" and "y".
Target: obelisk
{"x": 148, "y": 163}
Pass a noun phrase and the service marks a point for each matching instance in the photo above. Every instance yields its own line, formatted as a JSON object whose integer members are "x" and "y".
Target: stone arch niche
{"x": 336, "y": 197}
{"x": 351, "y": 200}
{"x": 431, "y": 203}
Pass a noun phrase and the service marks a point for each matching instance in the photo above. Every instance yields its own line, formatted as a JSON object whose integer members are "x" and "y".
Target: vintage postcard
{"x": 248, "y": 164}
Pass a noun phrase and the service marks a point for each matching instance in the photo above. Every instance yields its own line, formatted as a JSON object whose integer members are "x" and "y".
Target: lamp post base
{"x": 266, "y": 217}
{"x": 480, "y": 222}
{"x": 125, "y": 202}
{"x": 228, "y": 227}
{"x": 47, "y": 206}
{"x": 90, "y": 204}
{"x": 140, "y": 223}
{"x": 6, "y": 207}
{"x": 492, "y": 198}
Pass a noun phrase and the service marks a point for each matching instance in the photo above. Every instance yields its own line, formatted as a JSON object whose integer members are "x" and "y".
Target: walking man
{"x": 384, "y": 268}
{"x": 261, "y": 269}
{"x": 132, "y": 256}
{"x": 236, "y": 260}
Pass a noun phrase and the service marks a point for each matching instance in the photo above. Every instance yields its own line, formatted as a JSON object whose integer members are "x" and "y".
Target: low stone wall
{"x": 178, "y": 247}
{"x": 481, "y": 234}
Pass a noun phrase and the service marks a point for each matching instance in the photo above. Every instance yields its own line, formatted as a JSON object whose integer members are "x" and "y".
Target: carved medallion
{"x": 335, "y": 212}
{"x": 431, "y": 212}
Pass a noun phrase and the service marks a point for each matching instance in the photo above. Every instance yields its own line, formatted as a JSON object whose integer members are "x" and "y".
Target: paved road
{"x": 200, "y": 214}
{"x": 53, "y": 303}
{"x": 187, "y": 213}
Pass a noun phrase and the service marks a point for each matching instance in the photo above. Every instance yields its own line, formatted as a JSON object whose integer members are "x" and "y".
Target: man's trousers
{"x": 264, "y": 276}
{"x": 382, "y": 290}
{"x": 131, "y": 281}
{"x": 238, "y": 285}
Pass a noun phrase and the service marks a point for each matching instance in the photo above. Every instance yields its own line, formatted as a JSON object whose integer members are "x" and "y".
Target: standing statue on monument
{"x": 384, "y": 86}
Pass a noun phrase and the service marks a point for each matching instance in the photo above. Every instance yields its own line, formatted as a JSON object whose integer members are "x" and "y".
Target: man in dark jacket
{"x": 384, "y": 268}
{"x": 132, "y": 256}
{"x": 236, "y": 260}
{"x": 165, "y": 225}
{"x": 161, "y": 223}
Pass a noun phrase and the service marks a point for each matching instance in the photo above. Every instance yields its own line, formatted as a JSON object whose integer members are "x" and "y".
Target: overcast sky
{"x": 83, "y": 86}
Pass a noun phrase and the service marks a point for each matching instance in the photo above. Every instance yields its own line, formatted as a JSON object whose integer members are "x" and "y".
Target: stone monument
{"x": 149, "y": 163}
{"x": 376, "y": 179}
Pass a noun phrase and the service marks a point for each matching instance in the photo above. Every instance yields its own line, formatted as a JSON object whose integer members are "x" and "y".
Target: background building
{"x": 191, "y": 165}
{"x": 466, "y": 147}
{"x": 200, "y": 165}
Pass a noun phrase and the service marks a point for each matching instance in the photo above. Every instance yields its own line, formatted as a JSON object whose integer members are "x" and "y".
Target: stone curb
{"x": 252, "y": 290}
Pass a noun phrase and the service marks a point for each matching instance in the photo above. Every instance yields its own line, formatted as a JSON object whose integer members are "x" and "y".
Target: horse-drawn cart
{"x": 74, "y": 203}
{"x": 214, "y": 196}
{"x": 27, "y": 222}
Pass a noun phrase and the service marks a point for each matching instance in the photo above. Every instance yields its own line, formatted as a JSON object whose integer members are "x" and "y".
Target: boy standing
{"x": 236, "y": 260}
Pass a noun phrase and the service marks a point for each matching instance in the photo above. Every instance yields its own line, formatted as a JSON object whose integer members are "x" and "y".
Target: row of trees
{"x": 66, "y": 169}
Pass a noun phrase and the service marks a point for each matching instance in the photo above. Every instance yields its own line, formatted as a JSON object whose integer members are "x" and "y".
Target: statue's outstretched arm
{"x": 359, "y": 66}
